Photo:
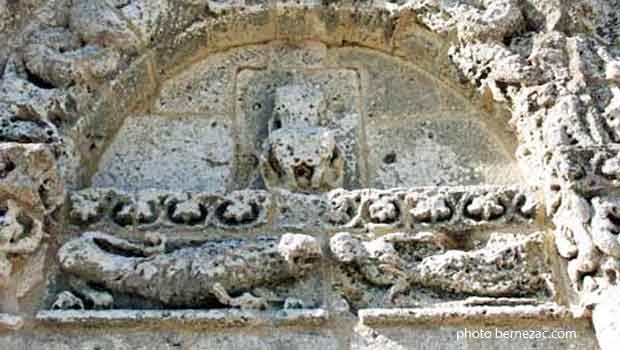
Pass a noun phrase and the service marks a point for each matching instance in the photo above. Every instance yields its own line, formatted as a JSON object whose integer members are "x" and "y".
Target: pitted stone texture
{"x": 390, "y": 87}
{"x": 20, "y": 234}
{"x": 297, "y": 211}
{"x": 401, "y": 269}
{"x": 31, "y": 191}
{"x": 445, "y": 209}
{"x": 299, "y": 154}
{"x": 30, "y": 176}
{"x": 573, "y": 108}
{"x": 147, "y": 16}
{"x": 111, "y": 209}
{"x": 191, "y": 153}
{"x": 58, "y": 57}
{"x": 308, "y": 54}
{"x": 97, "y": 21}
{"x": 208, "y": 86}
{"x": 195, "y": 275}
{"x": 256, "y": 95}
{"x": 37, "y": 107}
{"x": 172, "y": 340}
{"x": 437, "y": 153}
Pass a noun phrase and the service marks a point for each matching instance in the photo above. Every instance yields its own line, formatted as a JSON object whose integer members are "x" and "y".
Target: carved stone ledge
{"x": 229, "y": 318}
{"x": 419, "y": 208}
{"x": 10, "y": 322}
{"x": 150, "y": 209}
{"x": 442, "y": 315}
{"x": 422, "y": 208}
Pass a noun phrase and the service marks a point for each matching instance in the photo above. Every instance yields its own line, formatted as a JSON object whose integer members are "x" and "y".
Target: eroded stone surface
{"x": 70, "y": 73}
{"x": 400, "y": 262}
{"x": 437, "y": 153}
{"x": 190, "y": 276}
{"x": 31, "y": 191}
{"x": 340, "y": 115}
{"x": 192, "y": 153}
{"x": 299, "y": 154}
{"x": 145, "y": 210}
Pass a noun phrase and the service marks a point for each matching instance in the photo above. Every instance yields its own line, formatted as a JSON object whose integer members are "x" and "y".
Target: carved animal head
{"x": 306, "y": 160}
{"x": 300, "y": 251}
{"x": 300, "y": 154}
{"x": 346, "y": 248}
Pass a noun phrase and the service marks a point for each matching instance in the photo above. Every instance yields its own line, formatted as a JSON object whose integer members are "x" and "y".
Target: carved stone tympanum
{"x": 309, "y": 174}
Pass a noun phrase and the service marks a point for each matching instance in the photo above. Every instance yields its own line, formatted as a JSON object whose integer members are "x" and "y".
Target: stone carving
{"x": 606, "y": 225}
{"x": 189, "y": 276}
{"x": 29, "y": 113}
{"x": 66, "y": 301}
{"x": 486, "y": 207}
{"x": 299, "y": 154}
{"x": 151, "y": 208}
{"x": 553, "y": 64}
{"x": 186, "y": 209}
{"x": 585, "y": 169}
{"x": 430, "y": 210}
{"x": 242, "y": 209}
{"x": 30, "y": 191}
{"x": 369, "y": 209}
{"x": 586, "y": 235}
{"x": 445, "y": 207}
{"x": 508, "y": 265}
{"x": 376, "y": 209}
{"x": 19, "y": 235}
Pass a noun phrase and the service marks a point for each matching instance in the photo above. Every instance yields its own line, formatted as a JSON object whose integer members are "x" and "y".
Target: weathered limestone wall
{"x": 290, "y": 175}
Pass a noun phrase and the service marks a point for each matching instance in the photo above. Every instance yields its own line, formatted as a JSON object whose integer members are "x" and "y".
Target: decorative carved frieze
{"x": 150, "y": 209}
{"x": 423, "y": 208}
{"x": 440, "y": 208}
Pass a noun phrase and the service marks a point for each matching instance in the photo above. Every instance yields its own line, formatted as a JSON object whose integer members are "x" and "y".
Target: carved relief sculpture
{"x": 319, "y": 165}
{"x": 506, "y": 266}
{"x": 30, "y": 193}
{"x": 299, "y": 154}
{"x": 191, "y": 276}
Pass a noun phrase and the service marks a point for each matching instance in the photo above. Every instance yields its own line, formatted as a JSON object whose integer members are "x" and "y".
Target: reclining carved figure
{"x": 509, "y": 265}
{"x": 190, "y": 276}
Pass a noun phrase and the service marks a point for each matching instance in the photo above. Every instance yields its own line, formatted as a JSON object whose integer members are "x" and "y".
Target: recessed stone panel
{"x": 444, "y": 152}
{"x": 390, "y": 86}
{"x": 191, "y": 153}
{"x": 207, "y": 87}
{"x": 255, "y": 95}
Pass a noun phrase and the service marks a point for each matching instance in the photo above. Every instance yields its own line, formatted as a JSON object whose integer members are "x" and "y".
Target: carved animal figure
{"x": 299, "y": 154}
{"x": 509, "y": 265}
{"x": 190, "y": 276}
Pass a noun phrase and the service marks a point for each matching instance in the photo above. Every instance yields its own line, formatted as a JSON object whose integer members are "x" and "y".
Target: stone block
{"x": 435, "y": 153}
{"x": 190, "y": 153}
